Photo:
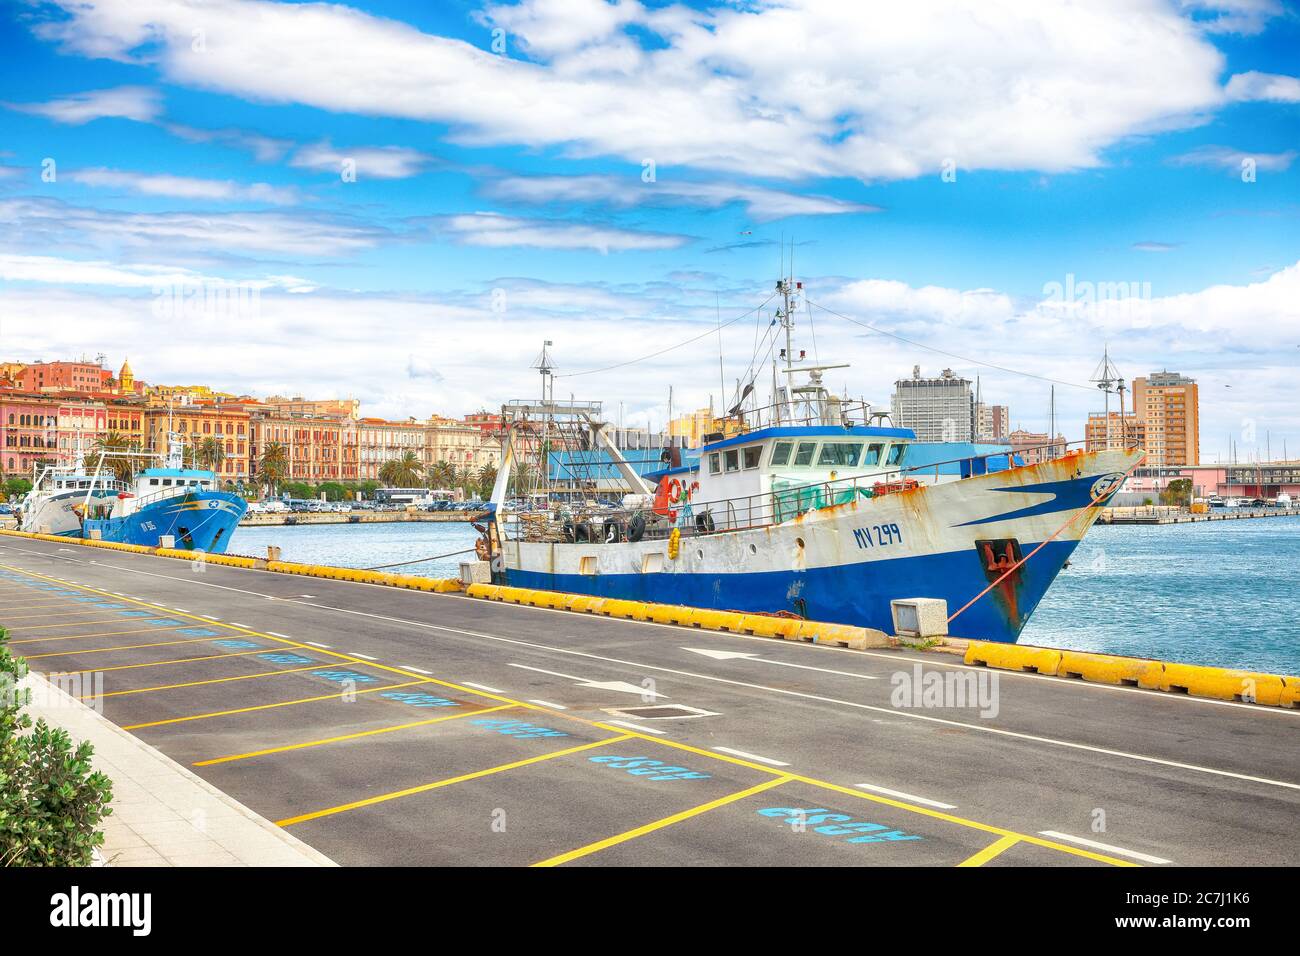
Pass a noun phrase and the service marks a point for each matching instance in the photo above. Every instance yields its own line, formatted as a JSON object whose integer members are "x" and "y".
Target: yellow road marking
{"x": 178, "y": 660}
{"x": 424, "y": 788}
{"x": 353, "y": 736}
{"x": 80, "y": 610}
{"x": 198, "y": 683}
{"x": 283, "y": 703}
{"x": 46, "y": 627}
{"x": 124, "y": 647}
{"x": 74, "y": 637}
{"x": 646, "y": 738}
{"x": 660, "y": 824}
{"x": 990, "y": 851}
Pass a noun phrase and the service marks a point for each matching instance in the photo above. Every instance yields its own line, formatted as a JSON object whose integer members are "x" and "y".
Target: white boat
{"x": 809, "y": 506}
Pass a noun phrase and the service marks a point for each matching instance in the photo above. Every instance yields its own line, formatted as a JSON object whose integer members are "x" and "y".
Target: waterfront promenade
{"x": 387, "y": 726}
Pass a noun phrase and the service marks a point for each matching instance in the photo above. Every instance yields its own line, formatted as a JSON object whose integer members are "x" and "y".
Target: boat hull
{"x": 57, "y": 514}
{"x": 846, "y": 563}
{"x": 197, "y": 521}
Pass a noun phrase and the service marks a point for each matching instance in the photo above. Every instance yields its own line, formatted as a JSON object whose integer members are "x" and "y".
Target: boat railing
{"x": 802, "y": 413}
{"x": 780, "y": 504}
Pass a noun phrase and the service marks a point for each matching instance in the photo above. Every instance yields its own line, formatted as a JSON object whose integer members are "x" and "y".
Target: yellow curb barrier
{"x": 842, "y": 635}
{"x": 1223, "y": 684}
{"x": 632, "y": 610}
{"x": 1107, "y": 669}
{"x": 678, "y": 614}
{"x": 1290, "y": 692}
{"x": 1014, "y": 657}
{"x": 585, "y": 603}
{"x": 711, "y": 620}
{"x": 764, "y": 625}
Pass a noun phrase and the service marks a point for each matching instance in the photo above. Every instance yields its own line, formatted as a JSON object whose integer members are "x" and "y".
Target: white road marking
{"x": 490, "y": 690}
{"x": 1156, "y": 697}
{"x": 408, "y": 667}
{"x": 237, "y": 624}
{"x": 1145, "y": 858}
{"x": 315, "y": 644}
{"x": 749, "y": 756}
{"x": 547, "y": 703}
{"x": 905, "y": 796}
{"x": 732, "y": 655}
{"x": 632, "y": 726}
{"x": 183, "y": 610}
{"x": 278, "y": 634}
{"x": 621, "y": 686}
{"x": 364, "y": 657}
{"x": 717, "y": 655}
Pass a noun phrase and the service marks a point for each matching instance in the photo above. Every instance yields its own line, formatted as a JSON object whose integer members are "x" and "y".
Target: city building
{"x": 992, "y": 422}
{"x": 938, "y": 409}
{"x": 80, "y": 376}
{"x": 380, "y": 441}
{"x": 1036, "y": 447}
{"x": 1114, "y": 431}
{"x": 194, "y": 424}
{"x": 327, "y": 408}
{"x": 318, "y": 448}
{"x": 1168, "y": 405}
{"x": 462, "y": 446}
{"x": 38, "y": 427}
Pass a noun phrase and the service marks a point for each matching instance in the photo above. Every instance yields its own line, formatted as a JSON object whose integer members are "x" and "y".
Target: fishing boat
{"x": 807, "y": 506}
{"x": 169, "y": 505}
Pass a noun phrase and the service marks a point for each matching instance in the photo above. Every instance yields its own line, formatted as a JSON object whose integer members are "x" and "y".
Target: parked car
{"x": 1283, "y": 500}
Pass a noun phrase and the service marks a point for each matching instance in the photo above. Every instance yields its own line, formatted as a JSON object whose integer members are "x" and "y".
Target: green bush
{"x": 51, "y": 804}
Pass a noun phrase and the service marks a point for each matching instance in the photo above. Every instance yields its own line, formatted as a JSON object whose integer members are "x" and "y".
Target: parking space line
{"x": 906, "y": 796}
{"x": 354, "y": 736}
{"x": 741, "y": 753}
{"x": 989, "y": 852}
{"x": 124, "y": 647}
{"x": 198, "y": 683}
{"x": 46, "y": 627}
{"x": 282, "y": 703}
{"x": 82, "y": 637}
{"x": 47, "y": 615}
{"x": 424, "y": 788}
{"x": 178, "y": 660}
{"x": 599, "y": 845}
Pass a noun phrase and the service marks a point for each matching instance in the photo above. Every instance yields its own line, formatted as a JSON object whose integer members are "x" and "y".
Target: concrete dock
{"x": 382, "y": 726}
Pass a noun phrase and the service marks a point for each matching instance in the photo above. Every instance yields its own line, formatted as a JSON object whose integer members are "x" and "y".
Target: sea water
{"x": 1225, "y": 593}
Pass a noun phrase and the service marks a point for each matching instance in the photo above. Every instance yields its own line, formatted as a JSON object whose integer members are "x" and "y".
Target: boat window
{"x": 840, "y": 454}
{"x": 752, "y": 455}
{"x": 83, "y": 484}
{"x": 715, "y": 463}
{"x": 781, "y": 452}
{"x": 153, "y": 481}
{"x": 896, "y": 454}
{"x": 733, "y": 460}
{"x": 873, "y": 454}
{"x": 804, "y": 456}
{"x": 166, "y": 482}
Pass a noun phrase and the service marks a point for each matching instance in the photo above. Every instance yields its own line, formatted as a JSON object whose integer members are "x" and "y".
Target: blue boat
{"x": 183, "y": 505}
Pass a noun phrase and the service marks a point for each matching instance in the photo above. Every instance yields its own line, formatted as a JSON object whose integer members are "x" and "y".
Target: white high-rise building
{"x": 937, "y": 409}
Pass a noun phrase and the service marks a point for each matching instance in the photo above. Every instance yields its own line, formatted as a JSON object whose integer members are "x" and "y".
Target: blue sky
{"x": 156, "y": 148}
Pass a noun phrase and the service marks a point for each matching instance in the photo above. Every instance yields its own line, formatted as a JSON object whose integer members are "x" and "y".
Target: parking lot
{"x": 473, "y": 734}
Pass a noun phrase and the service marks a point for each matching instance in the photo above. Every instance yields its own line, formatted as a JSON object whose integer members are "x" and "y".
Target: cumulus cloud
{"x": 1270, "y": 87}
{"x": 374, "y": 162}
{"x": 1229, "y": 158}
{"x": 762, "y": 204}
{"x": 783, "y": 89}
{"x": 185, "y": 187}
{"x": 55, "y": 270}
{"x": 139, "y": 103}
{"x": 496, "y": 230}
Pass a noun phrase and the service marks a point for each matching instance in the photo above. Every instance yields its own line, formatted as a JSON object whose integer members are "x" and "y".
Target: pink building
{"x": 37, "y": 428}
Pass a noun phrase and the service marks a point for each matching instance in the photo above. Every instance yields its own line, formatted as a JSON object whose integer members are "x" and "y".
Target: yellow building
{"x": 1168, "y": 405}
{"x": 197, "y": 423}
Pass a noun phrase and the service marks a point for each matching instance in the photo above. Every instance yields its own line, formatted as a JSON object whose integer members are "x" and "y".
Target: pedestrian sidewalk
{"x": 164, "y": 815}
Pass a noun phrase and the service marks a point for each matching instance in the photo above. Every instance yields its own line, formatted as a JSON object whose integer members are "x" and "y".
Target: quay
{"x": 390, "y": 725}
{"x": 1163, "y": 514}
{"x": 351, "y": 517}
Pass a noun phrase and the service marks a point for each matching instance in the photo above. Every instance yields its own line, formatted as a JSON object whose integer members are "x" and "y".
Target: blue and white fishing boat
{"x": 809, "y": 506}
{"x": 169, "y": 505}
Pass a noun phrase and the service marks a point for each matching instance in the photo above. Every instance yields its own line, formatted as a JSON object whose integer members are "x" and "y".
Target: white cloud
{"x": 185, "y": 187}
{"x": 1226, "y": 157}
{"x": 763, "y": 204}
{"x": 1246, "y": 17}
{"x": 1271, "y": 87}
{"x": 59, "y": 271}
{"x": 780, "y": 89}
{"x": 265, "y": 149}
{"x": 43, "y": 222}
{"x": 373, "y": 162}
{"x": 495, "y": 230}
{"x": 139, "y": 103}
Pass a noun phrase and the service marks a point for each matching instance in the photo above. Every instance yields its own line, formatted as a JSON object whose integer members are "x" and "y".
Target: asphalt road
{"x": 394, "y": 727}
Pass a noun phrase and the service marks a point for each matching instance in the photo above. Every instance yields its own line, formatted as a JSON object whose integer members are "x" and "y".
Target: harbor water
{"x": 1224, "y": 593}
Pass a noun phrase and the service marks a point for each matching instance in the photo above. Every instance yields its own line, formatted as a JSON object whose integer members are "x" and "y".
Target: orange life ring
{"x": 667, "y": 494}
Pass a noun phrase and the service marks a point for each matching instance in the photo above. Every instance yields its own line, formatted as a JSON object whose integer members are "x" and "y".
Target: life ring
{"x": 668, "y": 494}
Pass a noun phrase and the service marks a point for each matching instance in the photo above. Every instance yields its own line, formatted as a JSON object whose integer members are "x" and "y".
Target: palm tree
{"x": 274, "y": 464}
{"x": 114, "y": 444}
{"x": 211, "y": 452}
{"x": 487, "y": 479}
{"x": 402, "y": 472}
{"x": 442, "y": 475}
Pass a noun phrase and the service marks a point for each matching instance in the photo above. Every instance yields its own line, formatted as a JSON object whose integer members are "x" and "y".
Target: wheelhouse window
{"x": 715, "y": 463}
{"x": 873, "y": 454}
{"x": 732, "y": 460}
{"x": 840, "y": 454}
{"x": 752, "y": 455}
{"x": 804, "y": 456}
{"x": 781, "y": 453}
{"x": 896, "y": 454}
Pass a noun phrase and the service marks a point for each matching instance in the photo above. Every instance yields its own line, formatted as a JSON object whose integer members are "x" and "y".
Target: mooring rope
{"x": 449, "y": 554}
